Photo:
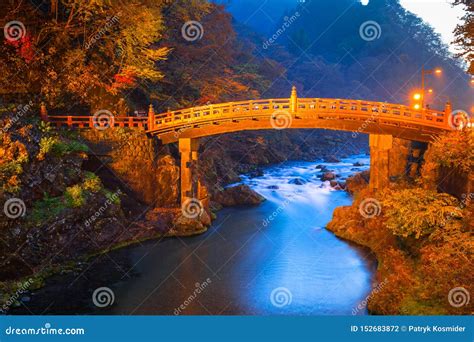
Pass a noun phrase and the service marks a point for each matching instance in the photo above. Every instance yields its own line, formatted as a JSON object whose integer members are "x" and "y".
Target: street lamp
{"x": 416, "y": 101}
{"x": 424, "y": 72}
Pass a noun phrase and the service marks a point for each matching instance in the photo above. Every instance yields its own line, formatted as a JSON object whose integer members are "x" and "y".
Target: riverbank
{"x": 422, "y": 238}
{"x": 248, "y": 252}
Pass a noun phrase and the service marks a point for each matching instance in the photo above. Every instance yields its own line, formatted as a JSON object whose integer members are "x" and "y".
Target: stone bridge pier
{"x": 191, "y": 187}
{"x": 380, "y": 146}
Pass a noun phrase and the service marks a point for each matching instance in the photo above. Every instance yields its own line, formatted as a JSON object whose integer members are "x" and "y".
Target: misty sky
{"x": 439, "y": 13}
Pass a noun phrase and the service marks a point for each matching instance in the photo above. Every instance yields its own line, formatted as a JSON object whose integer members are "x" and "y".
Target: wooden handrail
{"x": 309, "y": 108}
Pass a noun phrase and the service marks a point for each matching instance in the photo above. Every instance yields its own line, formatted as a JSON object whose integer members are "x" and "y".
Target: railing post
{"x": 448, "y": 109}
{"x": 151, "y": 118}
{"x": 44, "y": 112}
{"x": 294, "y": 100}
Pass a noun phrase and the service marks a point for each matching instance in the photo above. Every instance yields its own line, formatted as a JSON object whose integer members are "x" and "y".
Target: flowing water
{"x": 276, "y": 258}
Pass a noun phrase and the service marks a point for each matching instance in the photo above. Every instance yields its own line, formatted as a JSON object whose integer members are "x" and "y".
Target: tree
{"x": 464, "y": 33}
{"x": 76, "y": 52}
{"x": 418, "y": 213}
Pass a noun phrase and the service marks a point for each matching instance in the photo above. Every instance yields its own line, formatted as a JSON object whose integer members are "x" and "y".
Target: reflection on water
{"x": 276, "y": 258}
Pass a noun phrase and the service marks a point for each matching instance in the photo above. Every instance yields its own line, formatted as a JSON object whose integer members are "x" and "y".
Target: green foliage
{"x": 417, "y": 212}
{"x": 46, "y": 145}
{"x": 92, "y": 183}
{"x": 47, "y": 208}
{"x": 74, "y": 196}
{"x": 45, "y": 127}
{"x": 59, "y": 148}
{"x": 112, "y": 197}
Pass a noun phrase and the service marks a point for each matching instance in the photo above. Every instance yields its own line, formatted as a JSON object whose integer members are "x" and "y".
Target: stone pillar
{"x": 448, "y": 109}
{"x": 151, "y": 118}
{"x": 188, "y": 149}
{"x": 294, "y": 100}
{"x": 380, "y": 146}
{"x": 43, "y": 112}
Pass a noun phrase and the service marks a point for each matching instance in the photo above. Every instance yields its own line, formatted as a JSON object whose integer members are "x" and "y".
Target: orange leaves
{"x": 24, "y": 47}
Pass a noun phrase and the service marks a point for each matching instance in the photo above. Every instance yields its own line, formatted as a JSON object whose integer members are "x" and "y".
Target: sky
{"x": 438, "y": 13}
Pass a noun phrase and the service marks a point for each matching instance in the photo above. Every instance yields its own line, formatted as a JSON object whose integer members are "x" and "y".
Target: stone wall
{"x": 140, "y": 162}
{"x": 406, "y": 158}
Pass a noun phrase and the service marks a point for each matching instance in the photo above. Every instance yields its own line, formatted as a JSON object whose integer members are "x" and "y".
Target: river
{"x": 272, "y": 259}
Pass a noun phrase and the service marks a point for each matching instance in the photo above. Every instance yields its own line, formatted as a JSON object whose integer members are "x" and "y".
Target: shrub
{"x": 13, "y": 155}
{"x": 418, "y": 212}
{"x": 92, "y": 183}
{"x": 47, "y": 208}
{"x": 58, "y": 147}
{"x": 112, "y": 197}
{"x": 453, "y": 149}
{"x": 46, "y": 145}
{"x": 74, "y": 196}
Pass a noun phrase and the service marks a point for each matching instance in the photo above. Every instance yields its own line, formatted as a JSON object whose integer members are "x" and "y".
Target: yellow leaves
{"x": 13, "y": 154}
{"x": 418, "y": 212}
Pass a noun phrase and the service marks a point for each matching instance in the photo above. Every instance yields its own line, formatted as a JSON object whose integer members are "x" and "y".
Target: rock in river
{"x": 327, "y": 176}
{"x": 297, "y": 181}
{"x": 237, "y": 195}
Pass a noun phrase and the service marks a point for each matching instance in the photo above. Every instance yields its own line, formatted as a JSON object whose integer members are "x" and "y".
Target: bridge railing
{"x": 92, "y": 122}
{"x": 310, "y": 108}
{"x": 306, "y": 108}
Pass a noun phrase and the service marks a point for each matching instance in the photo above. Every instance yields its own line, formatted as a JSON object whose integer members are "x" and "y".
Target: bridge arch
{"x": 381, "y": 120}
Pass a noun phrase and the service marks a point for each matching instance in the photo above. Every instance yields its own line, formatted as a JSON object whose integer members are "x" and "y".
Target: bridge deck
{"x": 339, "y": 114}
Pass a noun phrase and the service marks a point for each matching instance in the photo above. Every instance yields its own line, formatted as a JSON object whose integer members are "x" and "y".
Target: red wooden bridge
{"x": 381, "y": 120}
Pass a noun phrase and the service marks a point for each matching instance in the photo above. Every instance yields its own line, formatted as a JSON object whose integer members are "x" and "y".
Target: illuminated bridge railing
{"x": 259, "y": 110}
{"x": 91, "y": 122}
{"x": 316, "y": 108}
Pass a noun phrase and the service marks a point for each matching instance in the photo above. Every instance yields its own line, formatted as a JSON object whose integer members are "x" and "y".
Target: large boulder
{"x": 297, "y": 181}
{"x": 328, "y": 176}
{"x": 357, "y": 182}
{"x": 238, "y": 195}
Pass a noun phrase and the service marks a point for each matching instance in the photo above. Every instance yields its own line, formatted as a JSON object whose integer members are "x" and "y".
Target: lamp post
{"x": 425, "y": 72}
